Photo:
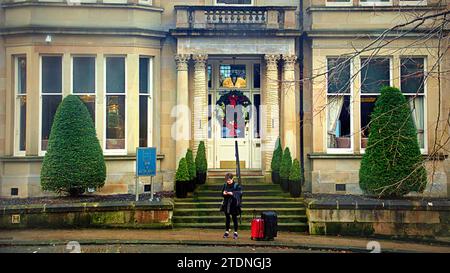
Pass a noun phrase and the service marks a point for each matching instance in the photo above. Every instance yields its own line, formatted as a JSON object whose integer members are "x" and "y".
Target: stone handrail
{"x": 219, "y": 17}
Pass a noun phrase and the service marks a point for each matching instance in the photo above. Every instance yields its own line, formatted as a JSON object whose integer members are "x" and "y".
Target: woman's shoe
{"x": 226, "y": 235}
{"x": 235, "y": 235}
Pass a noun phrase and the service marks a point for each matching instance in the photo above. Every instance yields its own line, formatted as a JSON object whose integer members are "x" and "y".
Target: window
{"x": 375, "y": 2}
{"x": 234, "y": 2}
{"x": 337, "y": 3}
{"x": 412, "y": 74}
{"x": 51, "y": 94}
{"x": 413, "y": 2}
{"x": 257, "y": 116}
{"x": 233, "y": 76}
{"x": 83, "y": 81}
{"x": 256, "y": 76}
{"x": 375, "y": 73}
{"x": 21, "y": 103}
{"x": 145, "y": 109}
{"x": 209, "y": 76}
{"x": 115, "y": 103}
{"x": 210, "y": 107}
{"x": 338, "y": 104}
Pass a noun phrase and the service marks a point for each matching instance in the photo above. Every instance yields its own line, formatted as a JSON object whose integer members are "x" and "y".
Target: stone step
{"x": 245, "y": 199}
{"x": 252, "y": 204}
{"x": 245, "y": 219}
{"x": 213, "y": 193}
{"x": 244, "y": 179}
{"x": 245, "y": 211}
{"x": 248, "y": 186}
{"x": 244, "y": 172}
{"x": 298, "y": 227}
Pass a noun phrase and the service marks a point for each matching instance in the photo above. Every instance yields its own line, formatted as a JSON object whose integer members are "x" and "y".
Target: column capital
{"x": 200, "y": 60}
{"x": 182, "y": 61}
{"x": 289, "y": 61}
{"x": 271, "y": 60}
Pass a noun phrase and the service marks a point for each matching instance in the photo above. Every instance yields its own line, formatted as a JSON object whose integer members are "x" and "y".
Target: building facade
{"x": 154, "y": 73}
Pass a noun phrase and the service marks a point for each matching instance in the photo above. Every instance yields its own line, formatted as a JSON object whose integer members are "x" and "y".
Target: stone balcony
{"x": 238, "y": 20}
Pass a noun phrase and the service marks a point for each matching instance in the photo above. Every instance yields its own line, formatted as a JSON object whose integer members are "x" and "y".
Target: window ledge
{"x": 359, "y": 156}
{"x": 41, "y": 158}
{"x": 329, "y": 8}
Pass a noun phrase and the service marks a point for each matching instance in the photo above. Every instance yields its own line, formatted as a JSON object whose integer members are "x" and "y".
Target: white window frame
{"x": 115, "y": 151}
{"x": 391, "y": 83}
{"x": 349, "y": 3}
{"x": 40, "y": 151}
{"x": 150, "y": 100}
{"x": 146, "y": 2}
{"x": 235, "y": 5}
{"x": 413, "y": 3}
{"x": 423, "y": 150}
{"x": 350, "y": 94}
{"x": 376, "y": 4}
{"x": 95, "y": 86}
{"x": 17, "y": 96}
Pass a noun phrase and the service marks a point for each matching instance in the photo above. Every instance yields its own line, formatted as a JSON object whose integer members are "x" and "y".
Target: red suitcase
{"x": 257, "y": 228}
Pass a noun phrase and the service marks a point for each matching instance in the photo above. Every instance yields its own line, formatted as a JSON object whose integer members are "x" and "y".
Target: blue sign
{"x": 146, "y": 161}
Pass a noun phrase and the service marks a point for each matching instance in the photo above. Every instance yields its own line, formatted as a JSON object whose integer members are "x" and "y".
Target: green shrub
{"x": 191, "y": 164}
{"x": 200, "y": 158}
{"x": 74, "y": 159}
{"x": 295, "y": 173}
{"x": 276, "y": 158}
{"x": 286, "y": 164}
{"x": 392, "y": 164}
{"x": 182, "y": 174}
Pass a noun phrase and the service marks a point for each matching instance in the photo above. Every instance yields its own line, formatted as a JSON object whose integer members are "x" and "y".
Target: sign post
{"x": 145, "y": 166}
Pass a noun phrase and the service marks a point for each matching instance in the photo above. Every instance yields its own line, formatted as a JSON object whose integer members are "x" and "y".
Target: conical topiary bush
{"x": 295, "y": 179}
{"x": 201, "y": 163}
{"x": 392, "y": 164}
{"x": 285, "y": 169}
{"x": 182, "y": 179}
{"x": 192, "y": 170}
{"x": 276, "y": 162}
{"x": 74, "y": 160}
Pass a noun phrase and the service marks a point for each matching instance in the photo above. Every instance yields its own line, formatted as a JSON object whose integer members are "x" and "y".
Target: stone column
{"x": 182, "y": 132}
{"x": 200, "y": 102}
{"x": 272, "y": 123}
{"x": 288, "y": 101}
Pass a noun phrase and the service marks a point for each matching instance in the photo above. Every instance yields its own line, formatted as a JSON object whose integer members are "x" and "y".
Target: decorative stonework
{"x": 289, "y": 62}
{"x": 200, "y": 61}
{"x": 182, "y": 61}
{"x": 271, "y": 61}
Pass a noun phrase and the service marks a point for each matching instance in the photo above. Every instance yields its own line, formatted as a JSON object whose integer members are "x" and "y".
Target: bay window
{"x": 115, "y": 103}
{"x": 51, "y": 94}
{"x": 20, "y": 63}
{"x": 375, "y": 73}
{"x": 145, "y": 87}
{"x": 83, "y": 81}
{"x": 413, "y": 87}
{"x": 338, "y": 104}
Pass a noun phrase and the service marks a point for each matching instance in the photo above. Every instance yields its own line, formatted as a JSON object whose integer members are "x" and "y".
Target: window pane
{"x": 235, "y": 2}
{"x": 115, "y": 75}
{"x": 257, "y": 117}
{"x": 233, "y": 76}
{"x": 115, "y": 122}
{"x": 23, "y": 123}
{"x": 51, "y": 74}
{"x": 209, "y": 116}
{"x": 338, "y": 75}
{"x": 89, "y": 101}
{"x": 21, "y": 75}
{"x": 49, "y": 106}
{"x": 412, "y": 75}
{"x": 143, "y": 121}
{"x": 209, "y": 76}
{"x": 416, "y": 104}
{"x": 144, "y": 75}
{"x": 339, "y": 122}
{"x": 83, "y": 75}
{"x": 375, "y": 73}
{"x": 256, "y": 76}
{"x": 367, "y": 106}
{"x": 375, "y": 1}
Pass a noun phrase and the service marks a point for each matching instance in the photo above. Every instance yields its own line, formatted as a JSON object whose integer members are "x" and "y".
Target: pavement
{"x": 202, "y": 240}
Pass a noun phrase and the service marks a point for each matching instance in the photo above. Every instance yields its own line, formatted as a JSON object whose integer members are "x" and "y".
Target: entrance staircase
{"x": 201, "y": 208}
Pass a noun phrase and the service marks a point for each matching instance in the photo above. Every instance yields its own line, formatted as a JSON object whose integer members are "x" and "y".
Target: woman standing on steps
{"x": 231, "y": 205}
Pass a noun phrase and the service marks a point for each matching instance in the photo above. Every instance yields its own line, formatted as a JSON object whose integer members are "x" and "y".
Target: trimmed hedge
{"x": 74, "y": 160}
{"x": 191, "y": 164}
{"x": 276, "y": 158}
{"x": 392, "y": 164}
{"x": 182, "y": 174}
{"x": 200, "y": 158}
{"x": 286, "y": 164}
{"x": 295, "y": 173}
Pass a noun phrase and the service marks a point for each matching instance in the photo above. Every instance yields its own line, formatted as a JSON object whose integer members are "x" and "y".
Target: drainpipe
{"x": 302, "y": 159}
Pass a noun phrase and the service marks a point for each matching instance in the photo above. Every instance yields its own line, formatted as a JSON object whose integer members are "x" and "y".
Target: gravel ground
{"x": 80, "y": 199}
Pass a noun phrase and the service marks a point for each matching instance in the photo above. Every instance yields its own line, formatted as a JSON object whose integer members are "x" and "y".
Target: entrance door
{"x": 234, "y": 94}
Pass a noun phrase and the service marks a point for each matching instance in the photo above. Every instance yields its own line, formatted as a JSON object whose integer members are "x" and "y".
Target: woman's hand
{"x": 230, "y": 193}
{"x": 225, "y": 192}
